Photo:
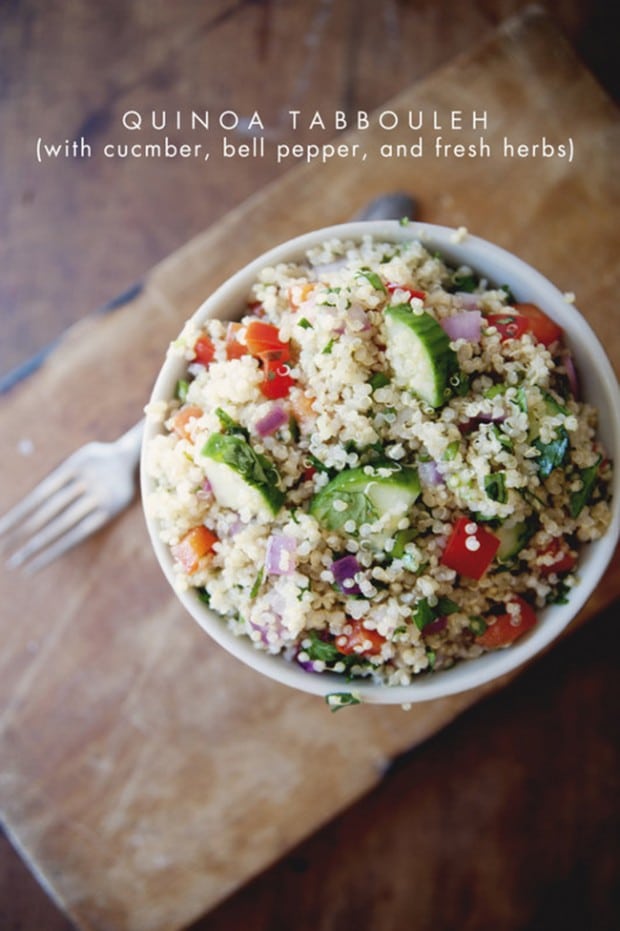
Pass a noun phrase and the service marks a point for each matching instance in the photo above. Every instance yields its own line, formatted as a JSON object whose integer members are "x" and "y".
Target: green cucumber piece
{"x": 367, "y": 494}
{"x": 420, "y": 354}
{"x": 240, "y": 477}
{"x": 512, "y": 539}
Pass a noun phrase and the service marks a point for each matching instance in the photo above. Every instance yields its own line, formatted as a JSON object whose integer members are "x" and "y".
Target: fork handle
{"x": 130, "y": 442}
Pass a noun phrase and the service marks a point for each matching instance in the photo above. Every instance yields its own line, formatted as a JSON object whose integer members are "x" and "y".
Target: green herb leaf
{"x": 477, "y": 626}
{"x": 432, "y": 658}
{"x": 326, "y": 351}
{"x": 258, "y": 581}
{"x": 462, "y": 281}
{"x": 552, "y": 454}
{"x": 445, "y": 606}
{"x": 305, "y": 324}
{"x": 423, "y": 614}
{"x": 359, "y": 509}
{"x": 229, "y": 425}
{"x": 521, "y": 400}
{"x": 503, "y": 438}
{"x": 378, "y": 380}
{"x": 510, "y": 298}
{"x": 338, "y": 700}
{"x": 317, "y": 464}
{"x": 374, "y": 279}
{"x": 451, "y": 451}
{"x": 203, "y": 595}
{"x": 495, "y": 487}
{"x": 579, "y": 499}
{"x": 401, "y": 539}
{"x": 293, "y": 427}
{"x": 181, "y": 390}
{"x": 322, "y": 650}
{"x": 560, "y": 595}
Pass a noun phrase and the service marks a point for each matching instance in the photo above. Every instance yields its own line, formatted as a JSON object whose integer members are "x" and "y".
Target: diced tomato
{"x": 197, "y": 542}
{"x": 298, "y": 293}
{"x": 277, "y": 381}
{"x": 263, "y": 342}
{"x": 182, "y": 418}
{"x": 256, "y": 308}
{"x": 302, "y": 407}
{"x": 506, "y": 628}
{"x": 509, "y": 325}
{"x": 234, "y": 349}
{"x": 528, "y": 318}
{"x": 540, "y": 325}
{"x": 410, "y": 291}
{"x": 470, "y": 548}
{"x": 204, "y": 350}
{"x": 563, "y": 559}
{"x": 308, "y": 473}
{"x": 360, "y": 640}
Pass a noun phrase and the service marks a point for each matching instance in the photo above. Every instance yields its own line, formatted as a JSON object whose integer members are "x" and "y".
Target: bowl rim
{"x": 502, "y": 267}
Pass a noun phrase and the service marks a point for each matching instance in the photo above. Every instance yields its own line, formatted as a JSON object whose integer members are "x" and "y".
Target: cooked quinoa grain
{"x": 384, "y": 467}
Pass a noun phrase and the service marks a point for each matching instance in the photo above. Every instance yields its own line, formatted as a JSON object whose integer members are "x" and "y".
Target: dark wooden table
{"x": 508, "y": 818}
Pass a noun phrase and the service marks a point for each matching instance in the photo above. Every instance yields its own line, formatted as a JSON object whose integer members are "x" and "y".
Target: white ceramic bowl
{"x": 599, "y": 386}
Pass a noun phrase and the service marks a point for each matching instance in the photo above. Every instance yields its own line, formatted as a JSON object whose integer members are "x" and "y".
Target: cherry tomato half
{"x": 360, "y": 640}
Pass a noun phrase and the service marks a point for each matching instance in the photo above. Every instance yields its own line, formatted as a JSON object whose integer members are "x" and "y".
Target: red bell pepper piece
{"x": 470, "y": 549}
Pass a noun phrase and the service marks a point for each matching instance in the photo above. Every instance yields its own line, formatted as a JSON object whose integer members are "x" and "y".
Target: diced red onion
{"x": 280, "y": 555}
{"x": 306, "y": 664}
{"x": 357, "y": 314}
{"x": 235, "y": 528}
{"x": 430, "y": 473}
{"x": 474, "y": 422}
{"x": 467, "y": 300}
{"x": 205, "y": 491}
{"x": 344, "y": 571}
{"x": 261, "y": 628}
{"x": 436, "y": 625}
{"x": 571, "y": 374}
{"x": 272, "y": 421}
{"x": 466, "y": 325}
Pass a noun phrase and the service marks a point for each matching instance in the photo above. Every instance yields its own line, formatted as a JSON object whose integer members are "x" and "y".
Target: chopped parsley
{"x": 231, "y": 426}
{"x": 495, "y": 487}
{"x": 338, "y": 700}
{"x": 552, "y": 454}
{"x": 477, "y": 626}
{"x": 374, "y": 279}
{"x": 378, "y": 380}
{"x": 181, "y": 389}
{"x": 579, "y": 499}
{"x": 258, "y": 581}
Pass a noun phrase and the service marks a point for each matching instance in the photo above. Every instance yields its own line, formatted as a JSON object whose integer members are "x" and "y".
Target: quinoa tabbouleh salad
{"x": 382, "y": 468}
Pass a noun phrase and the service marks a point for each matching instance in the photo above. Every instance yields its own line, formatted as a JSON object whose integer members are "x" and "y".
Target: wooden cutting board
{"x": 144, "y": 773}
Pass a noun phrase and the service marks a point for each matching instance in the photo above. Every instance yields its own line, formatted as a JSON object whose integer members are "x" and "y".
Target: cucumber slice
{"x": 240, "y": 477}
{"x": 367, "y": 494}
{"x": 420, "y": 354}
{"x": 512, "y": 540}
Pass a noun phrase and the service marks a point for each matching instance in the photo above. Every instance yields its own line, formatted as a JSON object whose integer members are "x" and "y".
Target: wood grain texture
{"x": 145, "y": 774}
{"x": 73, "y": 234}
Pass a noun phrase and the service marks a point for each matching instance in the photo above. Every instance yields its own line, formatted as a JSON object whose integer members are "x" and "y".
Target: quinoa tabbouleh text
{"x": 384, "y": 467}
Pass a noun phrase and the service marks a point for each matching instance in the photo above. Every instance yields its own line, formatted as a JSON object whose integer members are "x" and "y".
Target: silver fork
{"x": 81, "y": 495}
{"x": 98, "y": 480}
